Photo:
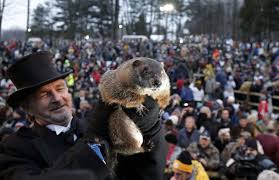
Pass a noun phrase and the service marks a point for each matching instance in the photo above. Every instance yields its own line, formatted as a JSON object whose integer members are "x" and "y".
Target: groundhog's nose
{"x": 157, "y": 83}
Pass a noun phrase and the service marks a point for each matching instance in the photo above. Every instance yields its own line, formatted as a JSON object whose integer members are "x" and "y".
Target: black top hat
{"x": 31, "y": 72}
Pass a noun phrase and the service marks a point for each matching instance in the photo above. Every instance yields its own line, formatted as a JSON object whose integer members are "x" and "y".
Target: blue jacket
{"x": 186, "y": 94}
{"x": 184, "y": 141}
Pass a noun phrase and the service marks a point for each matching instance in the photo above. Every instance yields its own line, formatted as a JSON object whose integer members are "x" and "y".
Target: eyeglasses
{"x": 177, "y": 174}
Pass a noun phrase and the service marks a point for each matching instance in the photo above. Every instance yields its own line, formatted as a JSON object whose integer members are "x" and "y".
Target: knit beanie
{"x": 251, "y": 143}
{"x": 183, "y": 162}
{"x": 171, "y": 138}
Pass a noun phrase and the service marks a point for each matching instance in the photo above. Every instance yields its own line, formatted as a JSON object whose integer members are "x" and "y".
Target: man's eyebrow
{"x": 60, "y": 85}
{"x": 42, "y": 90}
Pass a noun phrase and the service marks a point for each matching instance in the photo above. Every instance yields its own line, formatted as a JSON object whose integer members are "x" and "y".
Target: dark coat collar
{"x": 43, "y": 131}
{"x": 51, "y": 145}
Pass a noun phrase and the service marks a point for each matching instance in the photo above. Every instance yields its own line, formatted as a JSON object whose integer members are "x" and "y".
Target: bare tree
{"x": 115, "y": 18}
{"x": 2, "y": 7}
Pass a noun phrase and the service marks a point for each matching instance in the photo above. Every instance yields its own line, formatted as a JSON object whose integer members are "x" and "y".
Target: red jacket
{"x": 96, "y": 76}
{"x": 262, "y": 109}
{"x": 270, "y": 145}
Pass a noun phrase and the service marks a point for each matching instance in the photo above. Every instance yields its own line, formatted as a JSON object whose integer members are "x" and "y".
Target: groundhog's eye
{"x": 145, "y": 70}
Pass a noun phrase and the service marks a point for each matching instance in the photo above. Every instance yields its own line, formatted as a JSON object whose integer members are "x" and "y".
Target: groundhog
{"x": 127, "y": 86}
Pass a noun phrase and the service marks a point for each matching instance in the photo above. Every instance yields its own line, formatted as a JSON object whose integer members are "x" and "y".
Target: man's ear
{"x": 26, "y": 105}
{"x": 30, "y": 115}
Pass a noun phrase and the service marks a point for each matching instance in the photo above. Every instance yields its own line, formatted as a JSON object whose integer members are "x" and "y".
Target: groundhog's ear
{"x": 137, "y": 63}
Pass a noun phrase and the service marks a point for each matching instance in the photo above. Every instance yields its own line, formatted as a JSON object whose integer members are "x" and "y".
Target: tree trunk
{"x": 115, "y": 19}
{"x": 234, "y": 22}
{"x": 151, "y": 19}
{"x": 2, "y": 6}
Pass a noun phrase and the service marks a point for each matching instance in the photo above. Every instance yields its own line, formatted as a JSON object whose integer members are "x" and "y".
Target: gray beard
{"x": 62, "y": 120}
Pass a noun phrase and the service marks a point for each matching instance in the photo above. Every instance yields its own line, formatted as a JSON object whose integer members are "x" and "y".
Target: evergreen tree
{"x": 140, "y": 25}
{"x": 104, "y": 18}
{"x": 77, "y": 18}
{"x": 260, "y": 18}
{"x": 41, "y": 22}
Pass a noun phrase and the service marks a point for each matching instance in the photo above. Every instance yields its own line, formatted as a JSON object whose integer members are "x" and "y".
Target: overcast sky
{"x": 15, "y": 13}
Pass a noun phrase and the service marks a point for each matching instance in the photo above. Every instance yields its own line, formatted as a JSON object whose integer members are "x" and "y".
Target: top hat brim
{"x": 16, "y": 98}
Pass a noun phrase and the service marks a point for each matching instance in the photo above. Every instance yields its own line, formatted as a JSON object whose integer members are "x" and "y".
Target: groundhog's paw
{"x": 142, "y": 110}
{"x": 148, "y": 145}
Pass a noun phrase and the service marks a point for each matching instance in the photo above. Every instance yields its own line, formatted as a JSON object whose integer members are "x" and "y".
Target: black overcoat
{"x": 38, "y": 153}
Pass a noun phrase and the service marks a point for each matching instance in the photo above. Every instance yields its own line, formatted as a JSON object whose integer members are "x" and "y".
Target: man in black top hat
{"x": 57, "y": 142}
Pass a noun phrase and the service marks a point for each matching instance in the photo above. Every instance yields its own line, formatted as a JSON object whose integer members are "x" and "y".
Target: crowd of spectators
{"x": 205, "y": 117}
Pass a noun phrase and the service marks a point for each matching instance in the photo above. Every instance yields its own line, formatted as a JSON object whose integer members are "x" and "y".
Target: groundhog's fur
{"x": 128, "y": 86}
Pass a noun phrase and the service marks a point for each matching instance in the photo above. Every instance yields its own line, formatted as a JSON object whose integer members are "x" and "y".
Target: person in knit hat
{"x": 185, "y": 168}
{"x": 252, "y": 145}
{"x": 248, "y": 162}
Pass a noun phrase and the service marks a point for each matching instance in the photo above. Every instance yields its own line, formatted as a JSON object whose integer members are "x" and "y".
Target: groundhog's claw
{"x": 148, "y": 145}
{"x": 142, "y": 110}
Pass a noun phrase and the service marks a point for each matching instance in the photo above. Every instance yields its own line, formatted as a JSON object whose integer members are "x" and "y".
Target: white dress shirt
{"x": 58, "y": 129}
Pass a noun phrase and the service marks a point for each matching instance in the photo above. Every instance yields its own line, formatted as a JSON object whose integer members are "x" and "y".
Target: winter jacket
{"x": 184, "y": 140}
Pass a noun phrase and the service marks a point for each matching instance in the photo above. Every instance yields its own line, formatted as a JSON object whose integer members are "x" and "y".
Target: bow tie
{"x": 70, "y": 136}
